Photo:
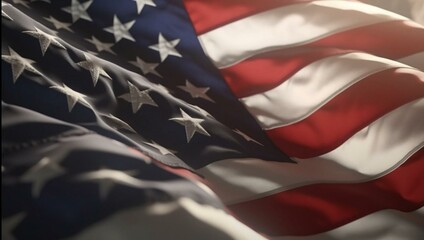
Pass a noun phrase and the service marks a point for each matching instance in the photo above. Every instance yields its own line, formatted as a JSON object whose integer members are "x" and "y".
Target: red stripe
{"x": 322, "y": 207}
{"x": 348, "y": 112}
{"x": 208, "y": 15}
{"x": 268, "y": 70}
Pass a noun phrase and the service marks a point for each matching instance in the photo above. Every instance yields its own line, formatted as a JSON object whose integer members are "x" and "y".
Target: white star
{"x": 120, "y": 30}
{"x": 162, "y": 150}
{"x": 19, "y": 64}
{"x": 44, "y": 39}
{"x": 41, "y": 173}
{"x": 146, "y": 67}
{"x": 141, "y": 3}
{"x": 9, "y": 224}
{"x": 25, "y": 3}
{"x": 137, "y": 98}
{"x": 78, "y": 10}
{"x": 94, "y": 69}
{"x": 165, "y": 47}
{"x": 101, "y": 46}
{"x": 119, "y": 123}
{"x": 72, "y": 96}
{"x": 58, "y": 24}
{"x": 3, "y": 13}
{"x": 192, "y": 125}
{"x": 196, "y": 92}
{"x": 246, "y": 137}
{"x": 107, "y": 179}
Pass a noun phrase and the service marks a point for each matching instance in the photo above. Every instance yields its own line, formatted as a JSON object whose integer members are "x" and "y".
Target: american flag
{"x": 303, "y": 118}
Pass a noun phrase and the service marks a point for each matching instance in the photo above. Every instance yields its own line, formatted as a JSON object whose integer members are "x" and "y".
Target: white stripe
{"x": 383, "y": 225}
{"x": 371, "y": 153}
{"x": 414, "y": 60}
{"x": 312, "y": 87}
{"x": 287, "y": 26}
{"x": 181, "y": 219}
